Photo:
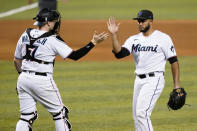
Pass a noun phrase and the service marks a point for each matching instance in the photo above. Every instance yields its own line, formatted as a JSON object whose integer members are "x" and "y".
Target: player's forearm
{"x": 115, "y": 43}
{"x": 18, "y": 64}
{"x": 75, "y": 55}
{"x": 176, "y": 74}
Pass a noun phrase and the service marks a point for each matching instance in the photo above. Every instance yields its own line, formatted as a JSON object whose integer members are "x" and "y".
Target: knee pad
{"x": 29, "y": 118}
{"x": 63, "y": 114}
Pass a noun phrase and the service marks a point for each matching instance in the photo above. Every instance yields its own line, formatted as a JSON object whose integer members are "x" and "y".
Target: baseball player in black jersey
{"x": 34, "y": 60}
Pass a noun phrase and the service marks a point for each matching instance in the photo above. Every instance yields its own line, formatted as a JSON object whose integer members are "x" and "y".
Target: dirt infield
{"x": 79, "y": 32}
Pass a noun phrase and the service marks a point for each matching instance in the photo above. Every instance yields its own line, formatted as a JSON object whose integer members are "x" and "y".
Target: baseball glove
{"x": 177, "y": 99}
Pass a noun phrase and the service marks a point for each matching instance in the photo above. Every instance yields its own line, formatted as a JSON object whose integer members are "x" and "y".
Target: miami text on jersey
{"x": 139, "y": 48}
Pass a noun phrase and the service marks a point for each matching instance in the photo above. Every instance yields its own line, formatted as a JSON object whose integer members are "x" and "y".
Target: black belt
{"x": 152, "y": 74}
{"x": 142, "y": 76}
{"x": 36, "y": 73}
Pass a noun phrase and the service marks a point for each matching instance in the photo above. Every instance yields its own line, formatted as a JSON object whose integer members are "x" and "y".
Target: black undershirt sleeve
{"x": 173, "y": 59}
{"x": 75, "y": 55}
{"x": 123, "y": 53}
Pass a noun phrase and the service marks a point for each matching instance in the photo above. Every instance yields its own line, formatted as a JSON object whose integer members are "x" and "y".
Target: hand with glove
{"x": 177, "y": 99}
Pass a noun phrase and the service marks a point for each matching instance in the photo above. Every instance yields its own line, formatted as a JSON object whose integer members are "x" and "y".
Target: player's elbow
{"x": 75, "y": 59}
{"x": 17, "y": 61}
{"x": 122, "y": 53}
{"x": 173, "y": 60}
{"x": 116, "y": 54}
{"x": 117, "y": 57}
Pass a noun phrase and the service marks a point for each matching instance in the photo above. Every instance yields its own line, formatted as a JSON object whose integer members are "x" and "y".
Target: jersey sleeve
{"x": 18, "y": 51}
{"x": 62, "y": 49}
{"x": 168, "y": 48}
{"x": 128, "y": 44}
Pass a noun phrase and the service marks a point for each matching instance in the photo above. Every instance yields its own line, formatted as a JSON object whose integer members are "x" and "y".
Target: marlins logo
{"x": 172, "y": 49}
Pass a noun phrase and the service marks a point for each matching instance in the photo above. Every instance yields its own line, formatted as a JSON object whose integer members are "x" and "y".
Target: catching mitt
{"x": 177, "y": 99}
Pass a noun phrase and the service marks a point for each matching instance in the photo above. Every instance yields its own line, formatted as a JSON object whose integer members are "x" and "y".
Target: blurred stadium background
{"x": 102, "y": 9}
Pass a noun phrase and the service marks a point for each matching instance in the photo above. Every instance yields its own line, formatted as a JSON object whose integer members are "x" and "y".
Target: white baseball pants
{"x": 32, "y": 88}
{"x": 146, "y": 93}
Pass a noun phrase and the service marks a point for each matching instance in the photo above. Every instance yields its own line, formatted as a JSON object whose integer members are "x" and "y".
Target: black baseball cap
{"x": 47, "y": 15}
{"x": 144, "y": 14}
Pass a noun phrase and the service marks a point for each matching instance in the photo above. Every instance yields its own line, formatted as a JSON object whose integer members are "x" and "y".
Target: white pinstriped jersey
{"x": 46, "y": 50}
{"x": 150, "y": 53}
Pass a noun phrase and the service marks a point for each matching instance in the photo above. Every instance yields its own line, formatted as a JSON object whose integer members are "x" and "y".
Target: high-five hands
{"x": 112, "y": 27}
{"x": 98, "y": 38}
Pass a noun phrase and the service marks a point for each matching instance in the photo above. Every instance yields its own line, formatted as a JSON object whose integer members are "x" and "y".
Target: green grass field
{"x": 99, "y": 96}
{"x": 103, "y": 9}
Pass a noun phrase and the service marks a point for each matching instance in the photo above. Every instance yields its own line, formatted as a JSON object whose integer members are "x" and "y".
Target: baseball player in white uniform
{"x": 34, "y": 60}
{"x": 150, "y": 49}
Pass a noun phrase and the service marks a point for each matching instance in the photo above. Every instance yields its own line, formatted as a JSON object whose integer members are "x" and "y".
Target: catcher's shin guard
{"x": 62, "y": 115}
{"x": 26, "y": 121}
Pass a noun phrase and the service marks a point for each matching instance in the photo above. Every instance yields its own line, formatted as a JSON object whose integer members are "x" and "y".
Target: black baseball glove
{"x": 177, "y": 99}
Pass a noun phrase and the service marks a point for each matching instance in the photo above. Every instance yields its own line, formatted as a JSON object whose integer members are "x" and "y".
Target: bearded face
{"x": 144, "y": 29}
{"x": 144, "y": 25}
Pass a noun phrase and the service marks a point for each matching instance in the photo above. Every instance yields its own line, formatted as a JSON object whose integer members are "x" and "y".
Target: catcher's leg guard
{"x": 61, "y": 120}
{"x": 26, "y": 121}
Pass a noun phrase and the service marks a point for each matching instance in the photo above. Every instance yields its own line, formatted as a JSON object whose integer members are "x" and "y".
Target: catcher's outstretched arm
{"x": 97, "y": 38}
{"x": 75, "y": 55}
